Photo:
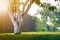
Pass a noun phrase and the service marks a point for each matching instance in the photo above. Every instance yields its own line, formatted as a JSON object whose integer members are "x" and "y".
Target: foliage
{"x": 37, "y": 2}
{"x": 52, "y": 8}
{"x": 56, "y": 0}
{"x": 48, "y": 6}
{"x": 40, "y": 26}
{"x": 12, "y": 6}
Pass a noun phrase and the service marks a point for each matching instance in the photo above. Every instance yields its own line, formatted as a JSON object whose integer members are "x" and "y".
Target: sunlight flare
{"x": 3, "y": 5}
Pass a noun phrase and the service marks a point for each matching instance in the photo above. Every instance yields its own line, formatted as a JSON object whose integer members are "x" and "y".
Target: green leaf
{"x": 56, "y": 0}
{"x": 37, "y": 2}
{"x": 52, "y": 8}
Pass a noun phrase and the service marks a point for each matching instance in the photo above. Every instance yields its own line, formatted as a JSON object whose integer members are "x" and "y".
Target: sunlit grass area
{"x": 32, "y": 33}
{"x": 31, "y": 36}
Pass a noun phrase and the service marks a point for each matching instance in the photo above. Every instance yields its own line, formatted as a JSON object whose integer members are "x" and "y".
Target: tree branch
{"x": 28, "y": 7}
{"x": 24, "y": 6}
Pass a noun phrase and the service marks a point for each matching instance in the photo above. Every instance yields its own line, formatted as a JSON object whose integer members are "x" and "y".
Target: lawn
{"x": 31, "y": 36}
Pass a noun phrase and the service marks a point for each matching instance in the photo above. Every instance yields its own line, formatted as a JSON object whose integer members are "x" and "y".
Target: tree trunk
{"x": 16, "y": 27}
{"x": 47, "y": 21}
{"x": 15, "y": 23}
{"x": 19, "y": 21}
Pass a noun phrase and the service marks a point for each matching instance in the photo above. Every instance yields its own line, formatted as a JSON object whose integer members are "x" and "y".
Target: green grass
{"x": 31, "y": 36}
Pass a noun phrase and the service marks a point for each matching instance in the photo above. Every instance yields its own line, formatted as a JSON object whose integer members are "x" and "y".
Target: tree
{"x": 48, "y": 9}
{"x": 18, "y": 16}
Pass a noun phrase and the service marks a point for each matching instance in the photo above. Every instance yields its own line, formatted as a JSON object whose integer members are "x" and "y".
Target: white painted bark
{"x": 49, "y": 22}
{"x": 15, "y": 23}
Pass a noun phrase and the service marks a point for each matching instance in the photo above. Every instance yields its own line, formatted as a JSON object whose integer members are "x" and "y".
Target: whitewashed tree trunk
{"x": 20, "y": 19}
{"x": 49, "y": 23}
{"x": 16, "y": 23}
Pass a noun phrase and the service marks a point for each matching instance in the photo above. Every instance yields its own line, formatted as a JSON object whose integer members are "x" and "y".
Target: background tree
{"x": 49, "y": 15}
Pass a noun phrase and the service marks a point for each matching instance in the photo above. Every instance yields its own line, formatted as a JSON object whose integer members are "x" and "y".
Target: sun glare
{"x": 3, "y": 5}
{"x": 22, "y": 0}
{"x": 21, "y": 7}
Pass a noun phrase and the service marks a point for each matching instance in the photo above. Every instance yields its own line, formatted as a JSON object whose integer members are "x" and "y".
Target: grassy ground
{"x": 31, "y": 36}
